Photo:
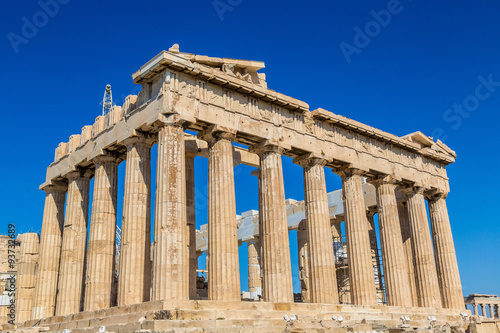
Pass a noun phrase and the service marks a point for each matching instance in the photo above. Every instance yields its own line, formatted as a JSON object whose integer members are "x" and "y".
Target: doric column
{"x": 426, "y": 279}
{"x": 379, "y": 286}
{"x": 74, "y": 243}
{"x": 134, "y": 279}
{"x": 191, "y": 223}
{"x": 254, "y": 278}
{"x": 323, "y": 278}
{"x": 26, "y": 271}
{"x": 273, "y": 228}
{"x": 100, "y": 279}
{"x": 444, "y": 250}
{"x": 408, "y": 250}
{"x": 171, "y": 252}
{"x": 492, "y": 311}
{"x": 47, "y": 274}
{"x": 475, "y": 309}
{"x": 304, "y": 264}
{"x": 224, "y": 281}
{"x": 361, "y": 277}
{"x": 395, "y": 269}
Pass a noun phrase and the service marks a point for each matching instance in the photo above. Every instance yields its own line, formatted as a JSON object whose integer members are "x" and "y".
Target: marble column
{"x": 492, "y": 311}
{"x": 191, "y": 223}
{"x": 475, "y": 309}
{"x": 323, "y": 278}
{"x": 26, "y": 272}
{"x": 361, "y": 277}
{"x": 275, "y": 250}
{"x": 427, "y": 284}
{"x": 483, "y": 307}
{"x": 134, "y": 278}
{"x": 444, "y": 250}
{"x": 171, "y": 251}
{"x": 99, "y": 281}
{"x": 74, "y": 244}
{"x": 377, "y": 269}
{"x": 408, "y": 250}
{"x": 304, "y": 264}
{"x": 395, "y": 269}
{"x": 224, "y": 282}
{"x": 47, "y": 274}
{"x": 254, "y": 278}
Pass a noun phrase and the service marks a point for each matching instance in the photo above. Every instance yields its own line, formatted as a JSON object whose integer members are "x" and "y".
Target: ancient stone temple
{"x": 227, "y": 101}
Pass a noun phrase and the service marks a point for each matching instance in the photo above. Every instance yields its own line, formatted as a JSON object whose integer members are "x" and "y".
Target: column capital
{"x": 269, "y": 146}
{"x": 56, "y": 187}
{"x": 411, "y": 189}
{"x": 79, "y": 173}
{"x": 173, "y": 119}
{"x": 142, "y": 138}
{"x": 349, "y": 170}
{"x": 216, "y": 133}
{"x": 310, "y": 159}
{"x": 435, "y": 195}
{"x": 107, "y": 157}
{"x": 384, "y": 180}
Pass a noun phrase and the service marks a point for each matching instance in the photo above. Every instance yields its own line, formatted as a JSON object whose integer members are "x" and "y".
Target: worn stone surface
{"x": 408, "y": 250}
{"x": 362, "y": 280}
{"x": 254, "y": 271}
{"x": 26, "y": 272}
{"x": 224, "y": 281}
{"x": 275, "y": 253}
{"x": 426, "y": 280}
{"x": 135, "y": 264}
{"x": 47, "y": 274}
{"x": 446, "y": 258}
{"x": 99, "y": 281}
{"x": 323, "y": 278}
{"x": 171, "y": 252}
{"x": 191, "y": 224}
{"x": 74, "y": 244}
{"x": 304, "y": 264}
{"x": 395, "y": 269}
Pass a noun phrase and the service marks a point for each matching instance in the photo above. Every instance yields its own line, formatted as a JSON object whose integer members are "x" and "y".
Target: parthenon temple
{"x": 192, "y": 107}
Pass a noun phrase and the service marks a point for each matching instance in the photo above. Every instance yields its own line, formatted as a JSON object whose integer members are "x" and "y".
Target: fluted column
{"x": 483, "y": 307}
{"x": 475, "y": 309}
{"x": 254, "y": 278}
{"x": 100, "y": 279}
{"x": 426, "y": 279}
{"x": 492, "y": 311}
{"x": 408, "y": 250}
{"x": 273, "y": 228}
{"x": 26, "y": 271}
{"x": 304, "y": 264}
{"x": 74, "y": 243}
{"x": 171, "y": 252}
{"x": 47, "y": 274}
{"x": 134, "y": 279}
{"x": 395, "y": 269}
{"x": 370, "y": 215}
{"x": 323, "y": 278}
{"x": 224, "y": 281}
{"x": 444, "y": 250}
{"x": 361, "y": 277}
{"x": 191, "y": 223}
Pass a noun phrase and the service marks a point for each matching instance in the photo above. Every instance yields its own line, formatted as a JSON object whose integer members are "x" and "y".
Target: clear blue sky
{"x": 405, "y": 75}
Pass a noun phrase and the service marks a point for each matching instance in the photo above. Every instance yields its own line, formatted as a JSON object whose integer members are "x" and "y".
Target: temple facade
{"x": 227, "y": 101}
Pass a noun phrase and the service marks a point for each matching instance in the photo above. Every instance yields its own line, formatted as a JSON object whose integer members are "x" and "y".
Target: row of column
{"x": 62, "y": 256}
{"x": 494, "y": 310}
